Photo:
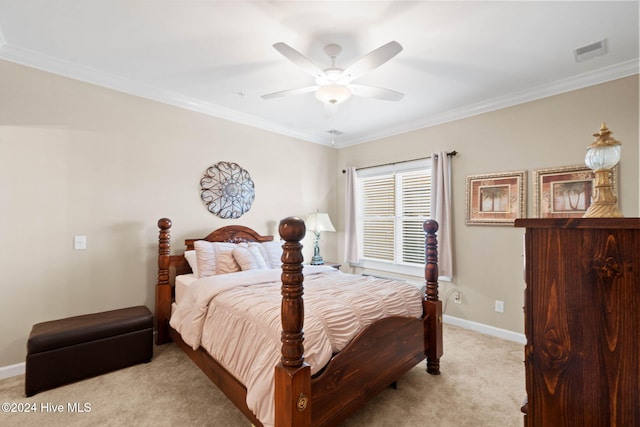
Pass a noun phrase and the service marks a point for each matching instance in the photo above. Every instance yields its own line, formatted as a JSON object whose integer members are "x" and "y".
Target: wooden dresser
{"x": 582, "y": 321}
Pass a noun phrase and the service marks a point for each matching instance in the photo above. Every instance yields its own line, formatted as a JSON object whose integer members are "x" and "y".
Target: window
{"x": 393, "y": 203}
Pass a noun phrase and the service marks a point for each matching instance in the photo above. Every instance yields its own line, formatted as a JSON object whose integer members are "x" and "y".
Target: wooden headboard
{"x": 231, "y": 234}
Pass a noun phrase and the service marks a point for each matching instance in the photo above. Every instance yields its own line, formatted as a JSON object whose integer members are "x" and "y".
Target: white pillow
{"x": 249, "y": 258}
{"x": 271, "y": 251}
{"x": 215, "y": 258}
{"x": 190, "y": 256}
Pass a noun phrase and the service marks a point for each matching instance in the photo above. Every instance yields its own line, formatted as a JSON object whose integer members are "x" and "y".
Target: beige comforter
{"x": 236, "y": 318}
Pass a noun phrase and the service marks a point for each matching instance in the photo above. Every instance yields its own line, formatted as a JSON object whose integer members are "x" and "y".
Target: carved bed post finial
{"x": 432, "y": 305}
{"x": 292, "y": 230}
{"x": 431, "y": 253}
{"x": 164, "y": 247}
{"x": 163, "y": 288}
{"x": 292, "y": 376}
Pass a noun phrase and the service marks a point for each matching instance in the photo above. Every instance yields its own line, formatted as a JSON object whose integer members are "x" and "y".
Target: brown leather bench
{"x": 67, "y": 350}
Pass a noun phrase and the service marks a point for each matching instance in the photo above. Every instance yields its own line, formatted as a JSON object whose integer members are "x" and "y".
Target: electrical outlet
{"x": 500, "y": 306}
{"x": 457, "y": 297}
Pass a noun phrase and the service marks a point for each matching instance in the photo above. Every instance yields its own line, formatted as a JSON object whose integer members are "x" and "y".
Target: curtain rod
{"x": 450, "y": 154}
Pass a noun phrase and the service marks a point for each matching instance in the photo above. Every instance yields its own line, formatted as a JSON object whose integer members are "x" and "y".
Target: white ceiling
{"x": 216, "y": 57}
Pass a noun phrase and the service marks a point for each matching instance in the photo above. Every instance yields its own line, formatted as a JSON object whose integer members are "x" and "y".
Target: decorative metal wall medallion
{"x": 227, "y": 190}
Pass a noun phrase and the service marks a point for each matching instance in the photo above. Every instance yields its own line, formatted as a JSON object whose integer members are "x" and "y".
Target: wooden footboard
{"x": 373, "y": 360}
{"x": 376, "y": 358}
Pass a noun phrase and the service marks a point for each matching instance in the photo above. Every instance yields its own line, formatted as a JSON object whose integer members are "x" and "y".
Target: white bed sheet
{"x": 183, "y": 282}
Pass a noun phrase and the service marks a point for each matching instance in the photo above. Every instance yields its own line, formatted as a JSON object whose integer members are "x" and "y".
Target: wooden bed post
{"x": 432, "y": 306}
{"x": 292, "y": 375}
{"x": 163, "y": 288}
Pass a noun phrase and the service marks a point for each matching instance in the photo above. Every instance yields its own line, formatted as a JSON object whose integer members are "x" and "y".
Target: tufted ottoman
{"x": 67, "y": 350}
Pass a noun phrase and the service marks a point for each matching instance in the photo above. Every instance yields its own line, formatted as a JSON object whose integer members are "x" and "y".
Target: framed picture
{"x": 565, "y": 192}
{"x": 497, "y": 198}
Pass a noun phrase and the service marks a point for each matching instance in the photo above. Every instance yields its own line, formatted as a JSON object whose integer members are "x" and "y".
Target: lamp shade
{"x": 602, "y": 157}
{"x": 604, "y": 153}
{"x": 318, "y": 222}
{"x": 333, "y": 94}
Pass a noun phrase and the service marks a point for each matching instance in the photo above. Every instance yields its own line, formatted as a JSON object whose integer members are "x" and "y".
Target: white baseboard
{"x": 12, "y": 370}
{"x": 19, "y": 368}
{"x": 485, "y": 329}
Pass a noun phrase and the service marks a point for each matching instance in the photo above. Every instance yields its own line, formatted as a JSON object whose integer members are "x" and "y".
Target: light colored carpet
{"x": 482, "y": 384}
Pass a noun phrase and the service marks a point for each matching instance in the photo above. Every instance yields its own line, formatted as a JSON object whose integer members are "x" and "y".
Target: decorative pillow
{"x": 271, "y": 251}
{"x": 225, "y": 262}
{"x": 215, "y": 258}
{"x": 249, "y": 258}
{"x": 190, "y": 256}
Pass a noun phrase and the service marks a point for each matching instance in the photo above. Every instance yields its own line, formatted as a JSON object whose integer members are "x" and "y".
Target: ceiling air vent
{"x": 335, "y": 132}
{"x": 590, "y": 51}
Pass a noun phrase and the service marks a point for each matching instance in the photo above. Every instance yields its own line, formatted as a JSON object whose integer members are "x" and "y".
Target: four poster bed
{"x": 349, "y": 350}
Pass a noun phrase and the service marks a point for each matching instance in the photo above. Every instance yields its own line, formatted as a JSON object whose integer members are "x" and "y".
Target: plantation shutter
{"x": 378, "y": 198}
{"x": 415, "y": 204}
{"x": 393, "y": 206}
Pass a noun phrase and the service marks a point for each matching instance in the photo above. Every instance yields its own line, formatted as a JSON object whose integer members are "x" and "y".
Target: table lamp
{"x": 602, "y": 156}
{"x": 317, "y": 223}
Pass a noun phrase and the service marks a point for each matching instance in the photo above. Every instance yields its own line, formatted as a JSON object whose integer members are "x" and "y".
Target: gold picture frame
{"x": 496, "y": 199}
{"x": 565, "y": 192}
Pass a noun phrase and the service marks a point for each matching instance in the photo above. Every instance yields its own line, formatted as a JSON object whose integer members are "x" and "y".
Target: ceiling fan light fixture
{"x": 333, "y": 94}
{"x": 334, "y": 85}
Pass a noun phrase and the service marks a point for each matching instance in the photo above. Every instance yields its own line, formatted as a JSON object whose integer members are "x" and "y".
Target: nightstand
{"x": 333, "y": 264}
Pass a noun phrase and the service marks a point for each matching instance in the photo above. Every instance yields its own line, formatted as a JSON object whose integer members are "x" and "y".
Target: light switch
{"x": 80, "y": 242}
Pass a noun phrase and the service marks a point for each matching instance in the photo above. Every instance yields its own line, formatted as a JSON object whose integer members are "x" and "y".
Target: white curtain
{"x": 441, "y": 210}
{"x": 350, "y": 229}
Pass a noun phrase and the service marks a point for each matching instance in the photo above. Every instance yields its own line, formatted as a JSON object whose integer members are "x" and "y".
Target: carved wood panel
{"x": 582, "y": 322}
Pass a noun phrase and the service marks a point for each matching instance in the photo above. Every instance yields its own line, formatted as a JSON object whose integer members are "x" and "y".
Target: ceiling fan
{"x": 334, "y": 85}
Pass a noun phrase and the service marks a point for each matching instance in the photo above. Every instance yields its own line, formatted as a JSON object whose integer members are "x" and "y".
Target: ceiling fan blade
{"x": 376, "y": 92}
{"x": 288, "y": 92}
{"x": 299, "y": 59}
{"x": 372, "y": 60}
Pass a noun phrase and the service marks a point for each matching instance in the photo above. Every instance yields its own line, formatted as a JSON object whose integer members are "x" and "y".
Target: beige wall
{"x": 550, "y": 132}
{"x": 76, "y": 159}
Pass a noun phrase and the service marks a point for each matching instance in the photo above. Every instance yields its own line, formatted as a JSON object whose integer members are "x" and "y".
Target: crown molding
{"x": 580, "y": 81}
{"x": 86, "y": 74}
{"x": 90, "y": 75}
